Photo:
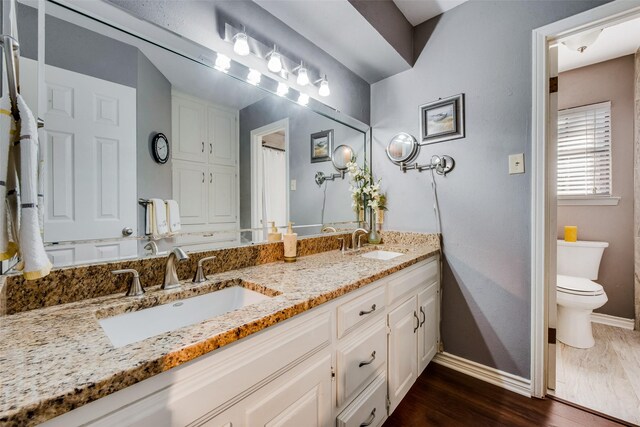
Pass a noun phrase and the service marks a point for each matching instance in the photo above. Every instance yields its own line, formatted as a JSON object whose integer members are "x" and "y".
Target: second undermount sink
{"x": 135, "y": 326}
{"x": 382, "y": 255}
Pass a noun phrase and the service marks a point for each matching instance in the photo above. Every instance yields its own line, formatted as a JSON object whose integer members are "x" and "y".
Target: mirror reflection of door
{"x": 270, "y": 193}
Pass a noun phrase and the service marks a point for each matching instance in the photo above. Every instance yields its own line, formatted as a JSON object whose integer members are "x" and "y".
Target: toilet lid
{"x": 578, "y": 286}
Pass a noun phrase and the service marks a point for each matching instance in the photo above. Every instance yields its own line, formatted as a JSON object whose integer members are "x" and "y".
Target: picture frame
{"x": 321, "y": 146}
{"x": 442, "y": 120}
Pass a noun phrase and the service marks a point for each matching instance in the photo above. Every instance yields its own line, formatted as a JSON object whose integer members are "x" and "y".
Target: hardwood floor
{"x": 443, "y": 397}
{"x": 605, "y": 377}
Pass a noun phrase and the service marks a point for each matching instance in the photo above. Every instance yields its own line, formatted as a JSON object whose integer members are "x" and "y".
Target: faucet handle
{"x": 135, "y": 288}
{"x": 200, "y": 277}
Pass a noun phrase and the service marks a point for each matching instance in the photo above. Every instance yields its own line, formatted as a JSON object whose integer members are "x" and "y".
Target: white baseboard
{"x": 493, "y": 376}
{"x": 618, "y": 322}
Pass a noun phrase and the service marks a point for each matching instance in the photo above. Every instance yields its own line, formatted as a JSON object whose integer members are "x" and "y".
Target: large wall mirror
{"x": 238, "y": 156}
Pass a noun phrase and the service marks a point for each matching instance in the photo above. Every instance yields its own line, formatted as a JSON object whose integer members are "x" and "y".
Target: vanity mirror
{"x": 235, "y": 155}
{"x": 402, "y": 148}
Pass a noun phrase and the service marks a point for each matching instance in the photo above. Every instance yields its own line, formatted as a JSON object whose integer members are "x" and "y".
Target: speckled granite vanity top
{"x": 57, "y": 358}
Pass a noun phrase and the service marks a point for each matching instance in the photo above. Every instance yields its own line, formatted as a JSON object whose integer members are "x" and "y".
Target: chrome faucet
{"x": 135, "y": 288}
{"x": 170, "y": 275}
{"x": 328, "y": 229}
{"x": 153, "y": 247}
{"x": 354, "y": 237}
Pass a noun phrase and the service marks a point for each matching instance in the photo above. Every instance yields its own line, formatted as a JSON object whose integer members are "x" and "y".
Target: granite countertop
{"x": 58, "y": 358}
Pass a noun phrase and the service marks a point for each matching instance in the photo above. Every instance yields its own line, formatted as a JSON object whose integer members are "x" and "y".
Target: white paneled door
{"x": 90, "y": 162}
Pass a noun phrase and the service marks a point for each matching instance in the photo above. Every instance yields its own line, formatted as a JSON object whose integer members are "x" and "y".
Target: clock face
{"x": 160, "y": 148}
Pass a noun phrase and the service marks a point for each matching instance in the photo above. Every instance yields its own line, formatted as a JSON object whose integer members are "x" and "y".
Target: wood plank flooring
{"x": 443, "y": 397}
{"x": 606, "y": 377}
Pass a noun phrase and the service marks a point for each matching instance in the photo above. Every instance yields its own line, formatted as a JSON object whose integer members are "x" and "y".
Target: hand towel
{"x": 8, "y": 248}
{"x": 173, "y": 216}
{"x": 33, "y": 255}
{"x": 157, "y": 219}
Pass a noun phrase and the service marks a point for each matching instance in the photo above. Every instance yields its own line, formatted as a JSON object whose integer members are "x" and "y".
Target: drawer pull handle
{"x": 369, "y": 362}
{"x": 417, "y": 322}
{"x": 424, "y": 317}
{"x": 369, "y": 421}
{"x": 203, "y": 146}
{"x": 373, "y": 308}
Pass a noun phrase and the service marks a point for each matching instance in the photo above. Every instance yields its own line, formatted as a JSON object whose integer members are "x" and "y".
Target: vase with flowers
{"x": 365, "y": 194}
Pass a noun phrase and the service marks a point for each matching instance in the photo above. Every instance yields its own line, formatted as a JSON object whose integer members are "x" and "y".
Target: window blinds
{"x": 584, "y": 151}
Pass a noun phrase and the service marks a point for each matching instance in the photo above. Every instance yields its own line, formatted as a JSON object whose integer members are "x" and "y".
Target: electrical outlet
{"x": 516, "y": 163}
{"x": 293, "y": 185}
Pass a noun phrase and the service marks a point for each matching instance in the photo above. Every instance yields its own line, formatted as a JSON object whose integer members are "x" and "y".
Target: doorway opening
{"x": 269, "y": 178}
{"x": 586, "y": 200}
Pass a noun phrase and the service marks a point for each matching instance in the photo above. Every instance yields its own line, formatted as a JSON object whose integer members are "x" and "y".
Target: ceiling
{"x": 418, "y": 11}
{"x": 340, "y": 30}
{"x": 614, "y": 42}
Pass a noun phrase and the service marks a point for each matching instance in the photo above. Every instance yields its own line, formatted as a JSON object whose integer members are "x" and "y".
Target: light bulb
{"x": 254, "y": 76}
{"x": 282, "y": 90}
{"x": 241, "y": 45}
{"x": 303, "y": 77}
{"x": 324, "y": 87}
{"x": 275, "y": 63}
{"x": 303, "y": 99}
{"x": 223, "y": 62}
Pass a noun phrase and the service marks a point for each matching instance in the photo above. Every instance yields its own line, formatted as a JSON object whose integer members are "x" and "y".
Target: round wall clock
{"x": 160, "y": 148}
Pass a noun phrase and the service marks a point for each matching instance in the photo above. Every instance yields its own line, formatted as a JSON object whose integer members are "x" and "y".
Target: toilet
{"x": 577, "y": 295}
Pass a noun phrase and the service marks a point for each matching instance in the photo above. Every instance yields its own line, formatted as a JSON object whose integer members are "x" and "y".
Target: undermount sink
{"x": 135, "y": 326}
{"x": 381, "y": 255}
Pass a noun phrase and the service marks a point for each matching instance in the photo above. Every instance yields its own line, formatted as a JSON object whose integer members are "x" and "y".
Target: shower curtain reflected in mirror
{"x": 274, "y": 189}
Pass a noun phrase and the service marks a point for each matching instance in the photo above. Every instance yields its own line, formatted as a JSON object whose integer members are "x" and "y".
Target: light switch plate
{"x": 293, "y": 185}
{"x": 516, "y": 163}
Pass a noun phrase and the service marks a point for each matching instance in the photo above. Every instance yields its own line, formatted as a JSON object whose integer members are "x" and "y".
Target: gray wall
{"x": 481, "y": 48}
{"x": 613, "y": 224}
{"x": 153, "y": 116}
{"x": 305, "y": 204}
{"x": 201, "y": 21}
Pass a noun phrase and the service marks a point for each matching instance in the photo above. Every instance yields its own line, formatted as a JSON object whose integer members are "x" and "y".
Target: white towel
{"x": 33, "y": 255}
{"x": 157, "y": 226}
{"x": 7, "y": 247}
{"x": 173, "y": 216}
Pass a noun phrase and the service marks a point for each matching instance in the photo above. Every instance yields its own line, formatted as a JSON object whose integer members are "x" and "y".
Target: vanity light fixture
{"x": 241, "y": 44}
{"x": 324, "y": 87}
{"x": 282, "y": 90}
{"x": 303, "y": 76}
{"x": 275, "y": 61}
{"x": 254, "y": 77}
{"x": 223, "y": 63}
{"x": 303, "y": 99}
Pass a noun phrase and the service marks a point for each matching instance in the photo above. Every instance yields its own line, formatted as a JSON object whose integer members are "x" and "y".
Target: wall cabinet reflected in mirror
{"x": 238, "y": 156}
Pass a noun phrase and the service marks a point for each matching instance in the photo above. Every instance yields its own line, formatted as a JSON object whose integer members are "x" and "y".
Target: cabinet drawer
{"x": 369, "y": 408}
{"x": 422, "y": 274}
{"x": 359, "y": 360}
{"x": 359, "y": 310}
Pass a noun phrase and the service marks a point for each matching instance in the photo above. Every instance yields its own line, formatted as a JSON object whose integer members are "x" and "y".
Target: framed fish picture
{"x": 442, "y": 120}
{"x": 321, "y": 145}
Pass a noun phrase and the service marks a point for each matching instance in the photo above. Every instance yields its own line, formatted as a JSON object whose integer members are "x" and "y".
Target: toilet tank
{"x": 580, "y": 259}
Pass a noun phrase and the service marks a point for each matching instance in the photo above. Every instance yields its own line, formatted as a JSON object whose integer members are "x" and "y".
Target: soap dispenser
{"x": 274, "y": 235}
{"x": 290, "y": 244}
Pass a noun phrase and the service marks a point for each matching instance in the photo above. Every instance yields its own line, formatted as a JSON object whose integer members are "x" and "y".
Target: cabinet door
{"x": 403, "y": 351}
{"x": 223, "y": 194}
{"x": 222, "y": 137}
{"x": 428, "y": 332}
{"x": 190, "y": 186}
{"x": 303, "y": 399}
{"x": 189, "y": 129}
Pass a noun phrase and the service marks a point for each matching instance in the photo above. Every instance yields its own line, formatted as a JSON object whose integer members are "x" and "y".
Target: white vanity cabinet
{"x": 348, "y": 362}
{"x": 413, "y": 323}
